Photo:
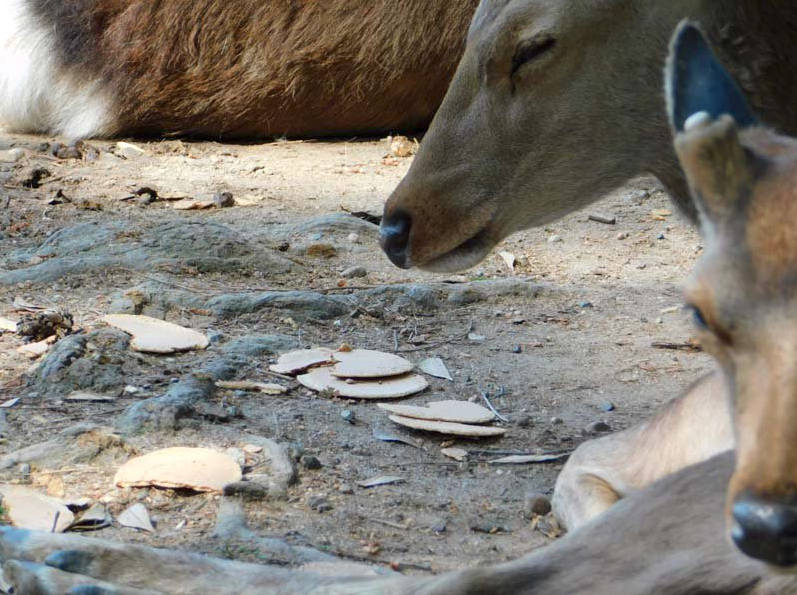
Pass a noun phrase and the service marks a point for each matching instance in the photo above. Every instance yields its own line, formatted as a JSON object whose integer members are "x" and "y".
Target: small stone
{"x": 598, "y": 427}
{"x": 476, "y": 338}
{"x": 131, "y": 390}
{"x": 661, "y": 236}
{"x": 524, "y": 421}
{"x": 354, "y": 273}
{"x": 517, "y": 349}
{"x": 585, "y": 305}
{"x": 439, "y": 526}
{"x": 354, "y": 238}
{"x": 607, "y": 406}
{"x": 557, "y": 421}
{"x": 347, "y": 415}
{"x": 623, "y": 235}
{"x": 536, "y": 504}
{"x": 401, "y": 146}
{"x": 252, "y": 449}
{"x": 554, "y": 239}
{"x": 319, "y": 504}
{"x": 128, "y": 150}
{"x": 312, "y": 463}
{"x": 12, "y": 155}
{"x": 223, "y": 200}
{"x": 24, "y": 468}
{"x": 215, "y": 337}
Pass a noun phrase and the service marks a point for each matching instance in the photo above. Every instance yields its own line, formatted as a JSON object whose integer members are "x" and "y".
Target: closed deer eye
{"x": 532, "y": 50}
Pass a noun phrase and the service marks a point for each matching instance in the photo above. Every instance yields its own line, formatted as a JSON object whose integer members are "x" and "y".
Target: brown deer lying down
{"x": 666, "y": 539}
{"x": 744, "y": 297}
{"x": 557, "y": 102}
{"x": 227, "y": 67}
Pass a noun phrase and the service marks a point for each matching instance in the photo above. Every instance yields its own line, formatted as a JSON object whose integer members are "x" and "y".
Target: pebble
{"x": 24, "y": 468}
{"x": 215, "y": 337}
{"x": 661, "y": 236}
{"x": 439, "y": 526}
{"x": 536, "y": 504}
{"x": 310, "y": 462}
{"x": 517, "y": 349}
{"x": 585, "y": 305}
{"x": 599, "y": 427}
{"x": 354, "y": 273}
{"x": 623, "y": 235}
{"x": 12, "y": 155}
{"x": 524, "y": 421}
{"x": 347, "y": 415}
{"x": 128, "y": 150}
{"x": 557, "y": 421}
{"x": 319, "y": 503}
{"x": 554, "y": 239}
{"x": 354, "y": 238}
{"x": 607, "y": 406}
{"x": 223, "y": 200}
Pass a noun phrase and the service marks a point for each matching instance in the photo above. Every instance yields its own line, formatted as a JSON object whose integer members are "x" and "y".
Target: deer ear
{"x": 698, "y": 84}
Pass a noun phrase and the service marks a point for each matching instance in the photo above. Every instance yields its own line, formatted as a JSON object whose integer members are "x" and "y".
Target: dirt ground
{"x": 569, "y": 340}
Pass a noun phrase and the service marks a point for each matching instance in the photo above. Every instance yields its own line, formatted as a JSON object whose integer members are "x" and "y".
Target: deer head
{"x": 743, "y": 179}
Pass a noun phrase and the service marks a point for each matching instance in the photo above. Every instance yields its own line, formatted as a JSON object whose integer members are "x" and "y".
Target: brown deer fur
{"x": 234, "y": 68}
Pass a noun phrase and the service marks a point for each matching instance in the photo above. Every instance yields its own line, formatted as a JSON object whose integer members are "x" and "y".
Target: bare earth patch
{"x": 558, "y": 344}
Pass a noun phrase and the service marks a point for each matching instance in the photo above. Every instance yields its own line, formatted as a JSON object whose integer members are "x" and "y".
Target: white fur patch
{"x": 698, "y": 120}
{"x": 37, "y": 94}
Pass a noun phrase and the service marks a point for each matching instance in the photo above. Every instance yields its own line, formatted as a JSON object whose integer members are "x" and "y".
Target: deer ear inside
{"x": 697, "y": 83}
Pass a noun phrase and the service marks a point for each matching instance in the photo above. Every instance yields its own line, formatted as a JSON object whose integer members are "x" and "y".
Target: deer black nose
{"x": 766, "y": 530}
{"x": 395, "y": 236}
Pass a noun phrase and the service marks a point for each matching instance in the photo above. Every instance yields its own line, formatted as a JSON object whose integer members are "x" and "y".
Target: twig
{"x": 493, "y": 409}
{"x": 603, "y": 219}
{"x": 277, "y": 375}
{"x": 165, "y": 281}
{"x": 389, "y": 524}
{"x": 55, "y": 521}
{"x": 690, "y": 347}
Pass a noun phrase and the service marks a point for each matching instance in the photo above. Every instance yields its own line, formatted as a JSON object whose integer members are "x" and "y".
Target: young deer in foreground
{"x": 744, "y": 297}
{"x": 664, "y": 539}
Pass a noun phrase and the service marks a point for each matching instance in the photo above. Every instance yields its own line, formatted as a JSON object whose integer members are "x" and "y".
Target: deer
{"x": 555, "y": 103}
{"x": 227, "y": 68}
{"x": 668, "y": 537}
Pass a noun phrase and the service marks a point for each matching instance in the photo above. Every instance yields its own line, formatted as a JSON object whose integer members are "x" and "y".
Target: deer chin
{"x": 468, "y": 254}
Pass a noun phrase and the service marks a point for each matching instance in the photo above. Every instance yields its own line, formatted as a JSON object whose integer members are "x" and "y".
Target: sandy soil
{"x": 556, "y": 361}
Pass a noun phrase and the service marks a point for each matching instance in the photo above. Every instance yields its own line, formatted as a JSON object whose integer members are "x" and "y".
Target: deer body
{"x": 226, "y": 68}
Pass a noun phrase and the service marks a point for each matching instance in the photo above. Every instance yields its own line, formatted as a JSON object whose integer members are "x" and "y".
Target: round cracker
{"x": 320, "y": 379}
{"x": 296, "y": 362}
{"x": 153, "y": 335}
{"x": 463, "y": 412}
{"x": 198, "y": 469}
{"x": 445, "y": 427}
{"x": 366, "y": 363}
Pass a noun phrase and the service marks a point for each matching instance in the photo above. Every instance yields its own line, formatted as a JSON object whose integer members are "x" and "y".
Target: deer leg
{"x": 688, "y": 430}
